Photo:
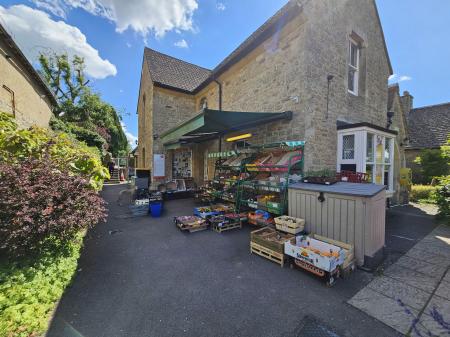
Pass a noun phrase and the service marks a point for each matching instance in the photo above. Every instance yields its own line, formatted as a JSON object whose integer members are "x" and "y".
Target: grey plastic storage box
{"x": 348, "y": 212}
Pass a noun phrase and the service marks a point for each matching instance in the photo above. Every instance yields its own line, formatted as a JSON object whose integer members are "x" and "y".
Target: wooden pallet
{"x": 226, "y": 227}
{"x": 267, "y": 253}
{"x": 192, "y": 228}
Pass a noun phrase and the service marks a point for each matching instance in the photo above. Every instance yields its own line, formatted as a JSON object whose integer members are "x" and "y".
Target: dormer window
{"x": 353, "y": 66}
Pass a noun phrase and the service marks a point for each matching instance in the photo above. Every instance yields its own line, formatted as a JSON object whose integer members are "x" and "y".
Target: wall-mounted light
{"x": 390, "y": 114}
{"x": 244, "y": 136}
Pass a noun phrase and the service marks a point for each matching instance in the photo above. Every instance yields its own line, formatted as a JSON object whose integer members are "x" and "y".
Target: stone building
{"x": 428, "y": 128}
{"x": 23, "y": 93}
{"x": 324, "y": 63}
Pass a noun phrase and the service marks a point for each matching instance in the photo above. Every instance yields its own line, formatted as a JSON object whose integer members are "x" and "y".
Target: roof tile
{"x": 429, "y": 126}
{"x": 169, "y": 71}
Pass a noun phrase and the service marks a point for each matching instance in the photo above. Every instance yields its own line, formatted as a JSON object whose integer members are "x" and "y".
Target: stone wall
{"x": 289, "y": 71}
{"x": 328, "y": 29}
{"x": 145, "y": 120}
{"x": 32, "y": 107}
{"x": 170, "y": 109}
{"x": 399, "y": 124}
{"x": 411, "y": 155}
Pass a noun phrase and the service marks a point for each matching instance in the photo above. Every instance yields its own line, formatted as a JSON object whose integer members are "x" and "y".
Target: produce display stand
{"x": 267, "y": 177}
{"x": 190, "y": 223}
{"x": 269, "y": 243}
{"x": 227, "y": 176}
{"x": 316, "y": 256}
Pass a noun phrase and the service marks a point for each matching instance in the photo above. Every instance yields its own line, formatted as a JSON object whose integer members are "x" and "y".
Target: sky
{"x": 111, "y": 36}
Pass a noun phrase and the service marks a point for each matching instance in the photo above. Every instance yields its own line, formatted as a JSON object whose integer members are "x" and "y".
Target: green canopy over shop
{"x": 210, "y": 124}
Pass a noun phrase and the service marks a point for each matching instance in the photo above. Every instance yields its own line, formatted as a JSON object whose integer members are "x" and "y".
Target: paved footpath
{"x": 415, "y": 289}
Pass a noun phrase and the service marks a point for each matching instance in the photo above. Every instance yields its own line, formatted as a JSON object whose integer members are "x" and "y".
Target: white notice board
{"x": 158, "y": 166}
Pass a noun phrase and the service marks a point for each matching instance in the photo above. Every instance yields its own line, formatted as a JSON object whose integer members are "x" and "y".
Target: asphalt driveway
{"x": 141, "y": 276}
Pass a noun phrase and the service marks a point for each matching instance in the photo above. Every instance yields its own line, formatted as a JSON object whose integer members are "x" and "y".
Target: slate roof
{"x": 167, "y": 71}
{"x": 429, "y": 126}
{"x": 170, "y": 72}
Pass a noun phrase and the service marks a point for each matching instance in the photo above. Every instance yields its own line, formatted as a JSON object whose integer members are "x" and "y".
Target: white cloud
{"x": 221, "y": 6}
{"x": 34, "y": 31}
{"x": 181, "y": 44}
{"x": 395, "y": 78}
{"x": 128, "y": 44}
{"x": 142, "y": 16}
{"x": 130, "y": 137}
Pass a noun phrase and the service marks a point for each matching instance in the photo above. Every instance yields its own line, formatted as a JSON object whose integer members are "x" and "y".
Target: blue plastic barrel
{"x": 156, "y": 209}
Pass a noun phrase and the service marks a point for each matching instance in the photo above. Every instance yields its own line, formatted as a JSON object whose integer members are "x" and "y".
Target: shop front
{"x": 210, "y": 131}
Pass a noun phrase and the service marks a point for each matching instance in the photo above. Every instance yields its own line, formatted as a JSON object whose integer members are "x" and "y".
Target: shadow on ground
{"x": 141, "y": 276}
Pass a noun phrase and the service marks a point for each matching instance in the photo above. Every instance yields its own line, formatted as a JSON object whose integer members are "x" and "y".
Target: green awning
{"x": 213, "y": 123}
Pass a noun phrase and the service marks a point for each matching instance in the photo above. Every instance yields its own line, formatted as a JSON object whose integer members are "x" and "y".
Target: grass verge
{"x": 30, "y": 289}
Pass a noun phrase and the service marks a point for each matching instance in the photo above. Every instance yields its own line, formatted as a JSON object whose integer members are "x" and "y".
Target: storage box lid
{"x": 356, "y": 189}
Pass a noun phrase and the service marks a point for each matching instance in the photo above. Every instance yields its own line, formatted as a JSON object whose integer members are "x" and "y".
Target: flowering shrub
{"x": 43, "y": 205}
{"x": 63, "y": 150}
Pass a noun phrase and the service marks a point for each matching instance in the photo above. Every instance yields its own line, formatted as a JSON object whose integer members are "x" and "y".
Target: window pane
{"x": 351, "y": 79}
{"x": 379, "y": 149}
{"x": 379, "y": 174}
{"x": 369, "y": 148}
{"x": 353, "y": 54}
{"x": 369, "y": 171}
{"x": 348, "y": 147}
{"x": 387, "y": 150}
{"x": 386, "y": 176}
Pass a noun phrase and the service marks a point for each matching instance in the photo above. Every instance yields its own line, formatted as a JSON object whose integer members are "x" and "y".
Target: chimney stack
{"x": 407, "y": 101}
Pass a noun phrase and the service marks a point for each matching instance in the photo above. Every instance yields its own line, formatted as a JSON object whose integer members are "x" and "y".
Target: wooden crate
{"x": 270, "y": 238}
{"x": 226, "y": 227}
{"x": 192, "y": 226}
{"x": 289, "y": 224}
{"x": 267, "y": 253}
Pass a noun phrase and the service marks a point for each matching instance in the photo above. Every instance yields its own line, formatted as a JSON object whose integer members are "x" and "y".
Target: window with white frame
{"x": 353, "y": 66}
{"x": 370, "y": 151}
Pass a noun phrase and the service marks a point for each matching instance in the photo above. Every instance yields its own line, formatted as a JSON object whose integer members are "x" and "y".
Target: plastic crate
{"x": 274, "y": 207}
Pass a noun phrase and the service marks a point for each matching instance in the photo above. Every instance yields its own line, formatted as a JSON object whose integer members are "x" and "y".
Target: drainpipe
{"x": 220, "y": 94}
{"x": 220, "y": 109}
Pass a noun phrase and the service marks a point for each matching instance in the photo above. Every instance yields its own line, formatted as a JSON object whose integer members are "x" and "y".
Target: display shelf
{"x": 269, "y": 174}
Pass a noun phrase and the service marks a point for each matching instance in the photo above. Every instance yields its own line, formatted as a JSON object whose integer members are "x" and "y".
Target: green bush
{"x": 64, "y": 150}
{"x": 29, "y": 290}
{"x": 443, "y": 198}
{"x": 91, "y": 138}
{"x": 433, "y": 163}
{"x": 422, "y": 193}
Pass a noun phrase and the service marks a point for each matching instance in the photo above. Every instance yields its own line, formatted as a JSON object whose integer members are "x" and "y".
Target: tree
{"x": 66, "y": 84}
{"x": 82, "y": 112}
{"x": 433, "y": 163}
